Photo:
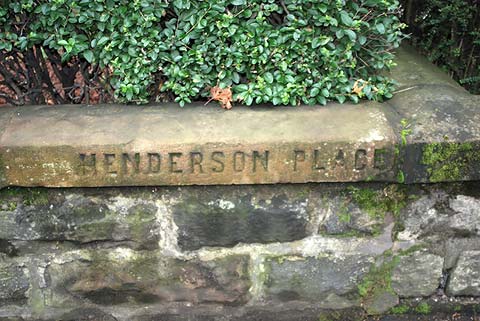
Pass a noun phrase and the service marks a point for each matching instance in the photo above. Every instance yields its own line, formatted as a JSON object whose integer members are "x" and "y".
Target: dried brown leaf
{"x": 223, "y": 96}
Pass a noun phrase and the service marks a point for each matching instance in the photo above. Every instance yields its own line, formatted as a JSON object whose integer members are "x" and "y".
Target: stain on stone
{"x": 8, "y": 248}
{"x": 207, "y": 220}
{"x": 87, "y": 314}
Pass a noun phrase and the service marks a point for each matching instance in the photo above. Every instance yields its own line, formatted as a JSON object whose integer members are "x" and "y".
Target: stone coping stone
{"x": 429, "y": 132}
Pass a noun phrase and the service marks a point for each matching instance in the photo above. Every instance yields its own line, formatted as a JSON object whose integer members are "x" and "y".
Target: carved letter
{"x": 107, "y": 162}
{"x": 340, "y": 159}
{"x": 84, "y": 163}
{"x": 379, "y": 159}
{"x": 154, "y": 157}
{"x": 299, "y": 157}
{"x": 263, "y": 160}
{"x": 360, "y": 159}
{"x": 316, "y": 155}
{"x": 135, "y": 162}
{"x": 241, "y": 162}
{"x": 173, "y": 163}
{"x": 218, "y": 157}
{"x": 196, "y": 158}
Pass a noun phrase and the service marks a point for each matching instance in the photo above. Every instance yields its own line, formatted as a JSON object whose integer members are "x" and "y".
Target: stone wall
{"x": 271, "y": 252}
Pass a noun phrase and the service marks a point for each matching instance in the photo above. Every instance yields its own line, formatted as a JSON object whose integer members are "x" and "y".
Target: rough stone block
{"x": 87, "y": 314}
{"x": 381, "y": 302}
{"x": 316, "y": 279}
{"x": 417, "y": 274}
{"x": 455, "y": 247}
{"x": 466, "y": 220}
{"x": 121, "y": 275}
{"x": 14, "y": 282}
{"x": 465, "y": 277}
{"x": 439, "y": 213}
{"x": 79, "y": 218}
{"x": 223, "y": 218}
{"x": 344, "y": 216}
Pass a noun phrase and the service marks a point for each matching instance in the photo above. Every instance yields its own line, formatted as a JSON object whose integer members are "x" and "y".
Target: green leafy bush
{"x": 448, "y": 32}
{"x": 280, "y": 52}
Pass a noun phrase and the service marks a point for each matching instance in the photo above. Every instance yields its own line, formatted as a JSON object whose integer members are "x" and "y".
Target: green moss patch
{"x": 25, "y": 196}
{"x": 377, "y": 203}
{"x": 449, "y": 161}
{"x": 379, "y": 278}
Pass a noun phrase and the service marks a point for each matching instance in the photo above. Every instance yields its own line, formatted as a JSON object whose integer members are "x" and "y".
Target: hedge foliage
{"x": 448, "y": 32}
{"x": 275, "y": 51}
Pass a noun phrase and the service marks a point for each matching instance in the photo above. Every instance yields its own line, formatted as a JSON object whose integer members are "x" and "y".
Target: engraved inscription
{"x": 154, "y": 162}
{"x": 219, "y": 159}
{"x": 262, "y": 158}
{"x": 299, "y": 157}
{"x": 108, "y": 160}
{"x": 324, "y": 161}
{"x": 318, "y": 164}
{"x": 361, "y": 159}
{"x": 196, "y": 160}
{"x": 173, "y": 157}
{"x": 238, "y": 161}
{"x": 380, "y": 159}
{"x": 340, "y": 159}
{"x": 88, "y": 164}
{"x": 128, "y": 161}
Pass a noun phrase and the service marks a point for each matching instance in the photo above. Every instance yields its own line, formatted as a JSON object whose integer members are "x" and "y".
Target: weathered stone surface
{"x": 152, "y": 145}
{"x": 77, "y": 218}
{"x": 466, "y": 220}
{"x": 417, "y": 274}
{"x": 125, "y": 280}
{"x": 195, "y": 145}
{"x": 465, "y": 277}
{"x": 6, "y": 247}
{"x": 443, "y": 122}
{"x": 180, "y": 316}
{"x": 415, "y": 70}
{"x": 443, "y": 142}
{"x": 87, "y": 314}
{"x": 456, "y": 246}
{"x": 14, "y": 283}
{"x": 439, "y": 214}
{"x": 381, "y": 302}
{"x": 226, "y": 218}
{"x": 315, "y": 279}
{"x": 284, "y": 312}
{"x": 122, "y": 275}
{"x": 343, "y": 216}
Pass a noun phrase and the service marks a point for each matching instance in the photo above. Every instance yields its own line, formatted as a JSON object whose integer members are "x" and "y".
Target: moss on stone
{"x": 423, "y": 308}
{"x": 11, "y": 197}
{"x": 348, "y": 234}
{"x": 303, "y": 192}
{"x": 378, "y": 280}
{"x": 9, "y": 206}
{"x": 34, "y": 196}
{"x": 401, "y": 309}
{"x": 412, "y": 249}
{"x": 449, "y": 161}
{"x": 141, "y": 219}
{"x": 377, "y": 203}
{"x": 331, "y": 316}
